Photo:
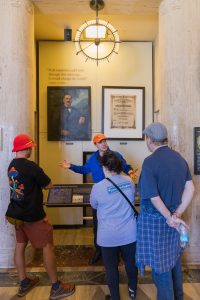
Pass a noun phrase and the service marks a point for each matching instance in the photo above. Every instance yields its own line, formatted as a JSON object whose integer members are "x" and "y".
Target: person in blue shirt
{"x": 94, "y": 167}
{"x": 165, "y": 189}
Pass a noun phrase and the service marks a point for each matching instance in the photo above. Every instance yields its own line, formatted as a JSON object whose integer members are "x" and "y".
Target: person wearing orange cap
{"x": 25, "y": 211}
{"x": 94, "y": 167}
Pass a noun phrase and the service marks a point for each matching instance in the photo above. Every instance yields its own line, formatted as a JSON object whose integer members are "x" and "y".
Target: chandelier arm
{"x": 85, "y": 47}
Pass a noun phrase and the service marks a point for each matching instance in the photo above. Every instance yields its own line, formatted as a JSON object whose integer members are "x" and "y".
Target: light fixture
{"x": 97, "y": 39}
{"x": 91, "y": 32}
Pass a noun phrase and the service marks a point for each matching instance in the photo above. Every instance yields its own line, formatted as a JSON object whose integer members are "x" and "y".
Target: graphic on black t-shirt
{"x": 17, "y": 188}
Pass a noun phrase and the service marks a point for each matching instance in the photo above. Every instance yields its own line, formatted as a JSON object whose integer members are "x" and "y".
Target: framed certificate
{"x": 123, "y": 112}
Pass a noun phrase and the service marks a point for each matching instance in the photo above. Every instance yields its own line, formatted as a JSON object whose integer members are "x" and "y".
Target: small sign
{"x": 77, "y": 198}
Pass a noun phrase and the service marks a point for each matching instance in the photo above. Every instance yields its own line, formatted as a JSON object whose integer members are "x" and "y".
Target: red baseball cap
{"x": 21, "y": 142}
{"x": 99, "y": 137}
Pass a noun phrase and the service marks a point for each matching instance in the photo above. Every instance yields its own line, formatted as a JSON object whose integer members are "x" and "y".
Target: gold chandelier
{"x": 97, "y": 39}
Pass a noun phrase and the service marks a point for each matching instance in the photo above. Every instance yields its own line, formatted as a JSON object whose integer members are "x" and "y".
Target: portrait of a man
{"x": 68, "y": 113}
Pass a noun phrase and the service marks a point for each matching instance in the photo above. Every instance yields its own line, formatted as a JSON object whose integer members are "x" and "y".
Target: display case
{"x": 64, "y": 199}
{"x": 69, "y": 195}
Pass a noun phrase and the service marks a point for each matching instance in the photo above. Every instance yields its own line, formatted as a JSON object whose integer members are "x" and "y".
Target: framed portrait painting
{"x": 68, "y": 113}
{"x": 123, "y": 112}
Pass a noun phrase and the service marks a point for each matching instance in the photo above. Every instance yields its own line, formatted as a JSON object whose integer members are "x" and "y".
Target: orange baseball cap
{"x": 21, "y": 142}
{"x": 99, "y": 137}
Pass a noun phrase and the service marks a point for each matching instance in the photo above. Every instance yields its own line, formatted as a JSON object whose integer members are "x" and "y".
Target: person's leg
{"x": 128, "y": 254}
{"x": 50, "y": 262}
{"x": 19, "y": 259}
{"x": 177, "y": 281}
{"x": 110, "y": 258}
{"x": 97, "y": 254}
{"x": 59, "y": 290}
{"x": 164, "y": 285}
{"x": 26, "y": 283}
{"x": 41, "y": 236}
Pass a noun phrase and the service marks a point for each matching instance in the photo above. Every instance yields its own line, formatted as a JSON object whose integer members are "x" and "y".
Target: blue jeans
{"x": 111, "y": 260}
{"x": 169, "y": 284}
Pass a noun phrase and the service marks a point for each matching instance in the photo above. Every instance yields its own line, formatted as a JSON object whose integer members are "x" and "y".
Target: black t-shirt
{"x": 26, "y": 180}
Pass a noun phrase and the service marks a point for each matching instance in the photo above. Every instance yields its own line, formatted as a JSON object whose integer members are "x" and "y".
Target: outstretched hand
{"x": 134, "y": 174}
{"x": 65, "y": 164}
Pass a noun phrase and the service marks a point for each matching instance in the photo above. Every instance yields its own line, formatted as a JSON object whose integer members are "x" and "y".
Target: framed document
{"x": 197, "y": 150}
{"x": 123, "y": 112}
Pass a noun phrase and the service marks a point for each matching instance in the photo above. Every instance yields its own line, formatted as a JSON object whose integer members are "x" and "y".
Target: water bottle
{"x": 184, "y": 236}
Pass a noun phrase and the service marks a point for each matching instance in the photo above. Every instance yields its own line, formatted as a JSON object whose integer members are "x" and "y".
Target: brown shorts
{"x": 39, "y": 233}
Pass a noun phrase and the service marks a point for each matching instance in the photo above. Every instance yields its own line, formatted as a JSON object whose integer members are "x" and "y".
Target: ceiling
{"x": 112, "y": 7}
{"x": 134, "y": 19}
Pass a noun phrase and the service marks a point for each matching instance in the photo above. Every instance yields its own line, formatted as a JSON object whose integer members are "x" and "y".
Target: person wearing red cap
{"x": 25, "y": 211}
{"x": 94, "y": 167}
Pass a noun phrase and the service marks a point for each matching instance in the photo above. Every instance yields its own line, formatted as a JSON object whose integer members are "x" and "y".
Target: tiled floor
{"x": 89, "y": 280}
{"x": 98, "y": 292}
{"x": 81, "y": 293}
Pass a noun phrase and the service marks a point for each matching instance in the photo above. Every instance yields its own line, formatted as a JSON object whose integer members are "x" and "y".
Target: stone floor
{"x": 72, "y": 262}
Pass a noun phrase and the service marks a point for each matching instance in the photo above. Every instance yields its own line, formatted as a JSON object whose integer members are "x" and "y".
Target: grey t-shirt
{"x": 116, "y": 221}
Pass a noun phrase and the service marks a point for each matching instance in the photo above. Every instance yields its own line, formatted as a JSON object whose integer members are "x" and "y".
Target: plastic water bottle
{"x": 184, "y": 236}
